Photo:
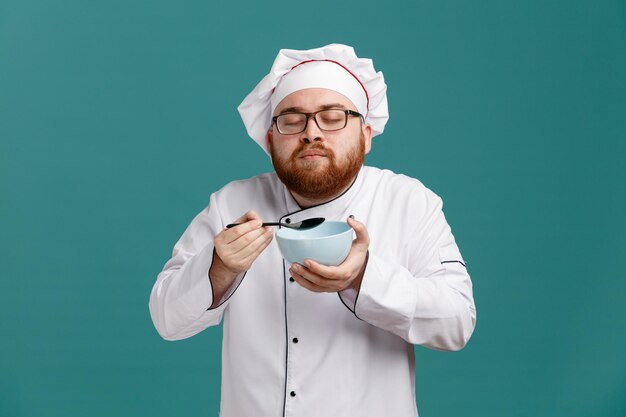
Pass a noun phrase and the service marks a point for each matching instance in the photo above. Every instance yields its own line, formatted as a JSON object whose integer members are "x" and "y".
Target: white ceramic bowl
{"x": 328, "y": 244}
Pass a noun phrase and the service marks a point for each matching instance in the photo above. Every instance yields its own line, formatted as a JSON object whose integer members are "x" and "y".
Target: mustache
{"x": 316, "y": 146}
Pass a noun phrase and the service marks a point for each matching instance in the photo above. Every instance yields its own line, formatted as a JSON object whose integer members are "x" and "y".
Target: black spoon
{"x": 303, "y": 225}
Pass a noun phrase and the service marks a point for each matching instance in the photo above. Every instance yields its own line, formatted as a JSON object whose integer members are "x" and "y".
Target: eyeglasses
{"x": 327, "y": 120}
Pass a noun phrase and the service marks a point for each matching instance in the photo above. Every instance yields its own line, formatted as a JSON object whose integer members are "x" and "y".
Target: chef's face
{"x": 315, "y": 163}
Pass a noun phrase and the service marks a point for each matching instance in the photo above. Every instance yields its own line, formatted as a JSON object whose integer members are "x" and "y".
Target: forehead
{"x": 311, "y": 99}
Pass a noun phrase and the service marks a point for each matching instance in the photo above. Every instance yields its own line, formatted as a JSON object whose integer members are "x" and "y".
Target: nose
{"x": 312, "y": 132}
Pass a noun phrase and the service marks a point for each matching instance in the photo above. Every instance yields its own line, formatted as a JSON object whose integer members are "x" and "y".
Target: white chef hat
{"x": 335, "y": 67}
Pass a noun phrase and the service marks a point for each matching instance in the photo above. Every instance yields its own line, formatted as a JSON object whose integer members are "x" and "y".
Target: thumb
{"x": 250, "y": 215}
{"x": 362, "y": 237}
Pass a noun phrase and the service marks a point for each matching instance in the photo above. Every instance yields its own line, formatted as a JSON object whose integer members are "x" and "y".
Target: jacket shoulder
{"x": 262, "y": 182}
{"x": 260, "y": 193}
{"x": 400, "y": 185}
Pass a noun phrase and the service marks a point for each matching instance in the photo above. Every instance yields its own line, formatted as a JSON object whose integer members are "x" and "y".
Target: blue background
{"x": 118, "y": 119}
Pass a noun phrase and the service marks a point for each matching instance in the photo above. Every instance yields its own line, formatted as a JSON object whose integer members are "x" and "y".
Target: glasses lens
{"x": 291, "y": 123}
{"x": 331, "y": 119}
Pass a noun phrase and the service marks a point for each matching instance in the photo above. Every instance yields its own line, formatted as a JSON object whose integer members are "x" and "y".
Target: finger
{"x": 226, "y": 247}
{"x": 362, "y": 237}
{"x": 319, "y": 280}
{"x": 328, "y": 272}
{"x": 246, "y": 217}
{"x": 242, "y": 259}
{"x": 346, "y": 269}
{"x": 249, "y": 215}
{"x": 230, "y": 235}
{"x": 246, "y": 260}
{"x": 257, "y": 246}
{"x": 252, "y": 215}
{"x": 245, "y": 240}
{"x": 306, "y": 283}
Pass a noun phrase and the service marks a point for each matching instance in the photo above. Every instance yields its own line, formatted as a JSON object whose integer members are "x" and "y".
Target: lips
{"x": 312, "y": 154}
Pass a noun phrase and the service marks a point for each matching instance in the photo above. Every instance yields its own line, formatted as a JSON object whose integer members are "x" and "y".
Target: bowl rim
{"x": 350, "y": 229}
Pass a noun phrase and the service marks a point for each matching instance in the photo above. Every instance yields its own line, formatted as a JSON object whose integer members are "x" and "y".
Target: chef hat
{"x": 335, "y": 67}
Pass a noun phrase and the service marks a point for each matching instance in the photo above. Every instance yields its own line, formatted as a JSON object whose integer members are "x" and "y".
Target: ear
{"x": 367, "y": 135}
{"x": 270, "y": 137}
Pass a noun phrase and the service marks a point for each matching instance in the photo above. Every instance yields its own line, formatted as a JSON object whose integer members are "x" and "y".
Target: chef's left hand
{"x": 320, "y": 278}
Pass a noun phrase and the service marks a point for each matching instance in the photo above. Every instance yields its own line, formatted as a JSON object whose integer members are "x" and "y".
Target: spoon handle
{"x": 263, "y": 225}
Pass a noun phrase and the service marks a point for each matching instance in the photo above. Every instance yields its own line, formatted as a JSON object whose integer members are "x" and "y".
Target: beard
{"x": 319, "y": 179}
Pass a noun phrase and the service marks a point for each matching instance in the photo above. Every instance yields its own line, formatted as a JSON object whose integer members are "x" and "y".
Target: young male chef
{"x": 313, "y": 340}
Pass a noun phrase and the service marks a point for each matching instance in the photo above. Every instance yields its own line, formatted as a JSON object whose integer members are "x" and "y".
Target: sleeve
{"x": 182, "y": 294}
{"x": 426, "y": 301}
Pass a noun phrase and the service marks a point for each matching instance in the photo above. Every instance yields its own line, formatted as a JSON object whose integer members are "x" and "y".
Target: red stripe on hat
{"x": 367, "y": 97}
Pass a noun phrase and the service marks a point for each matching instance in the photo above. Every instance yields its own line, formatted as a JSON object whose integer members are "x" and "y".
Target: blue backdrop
{"x": 118, "y": 119}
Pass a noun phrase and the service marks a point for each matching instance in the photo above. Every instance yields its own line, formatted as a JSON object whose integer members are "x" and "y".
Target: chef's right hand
{"x": 239, "y": 246}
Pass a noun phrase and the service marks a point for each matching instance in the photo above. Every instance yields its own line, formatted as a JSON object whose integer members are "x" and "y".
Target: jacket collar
{"x": 333, "y": 209}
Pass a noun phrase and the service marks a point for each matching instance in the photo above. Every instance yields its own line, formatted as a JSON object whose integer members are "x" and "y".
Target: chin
{"x": 312, "y": 163}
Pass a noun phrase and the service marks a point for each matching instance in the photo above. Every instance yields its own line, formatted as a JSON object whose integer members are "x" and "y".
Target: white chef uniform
{"x": 288, "y": 351}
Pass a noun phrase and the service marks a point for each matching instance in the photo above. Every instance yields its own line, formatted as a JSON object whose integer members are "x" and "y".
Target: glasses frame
{"x": 314, "y": 116}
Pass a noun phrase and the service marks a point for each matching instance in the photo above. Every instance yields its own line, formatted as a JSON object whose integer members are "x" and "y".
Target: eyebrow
{"x": 324, "y": 107}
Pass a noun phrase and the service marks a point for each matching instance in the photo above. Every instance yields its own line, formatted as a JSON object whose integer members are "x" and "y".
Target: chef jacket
{"x": 288, "y": 351}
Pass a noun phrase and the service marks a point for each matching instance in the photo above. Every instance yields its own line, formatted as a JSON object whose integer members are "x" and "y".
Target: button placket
{"x": 294, "y": 356}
